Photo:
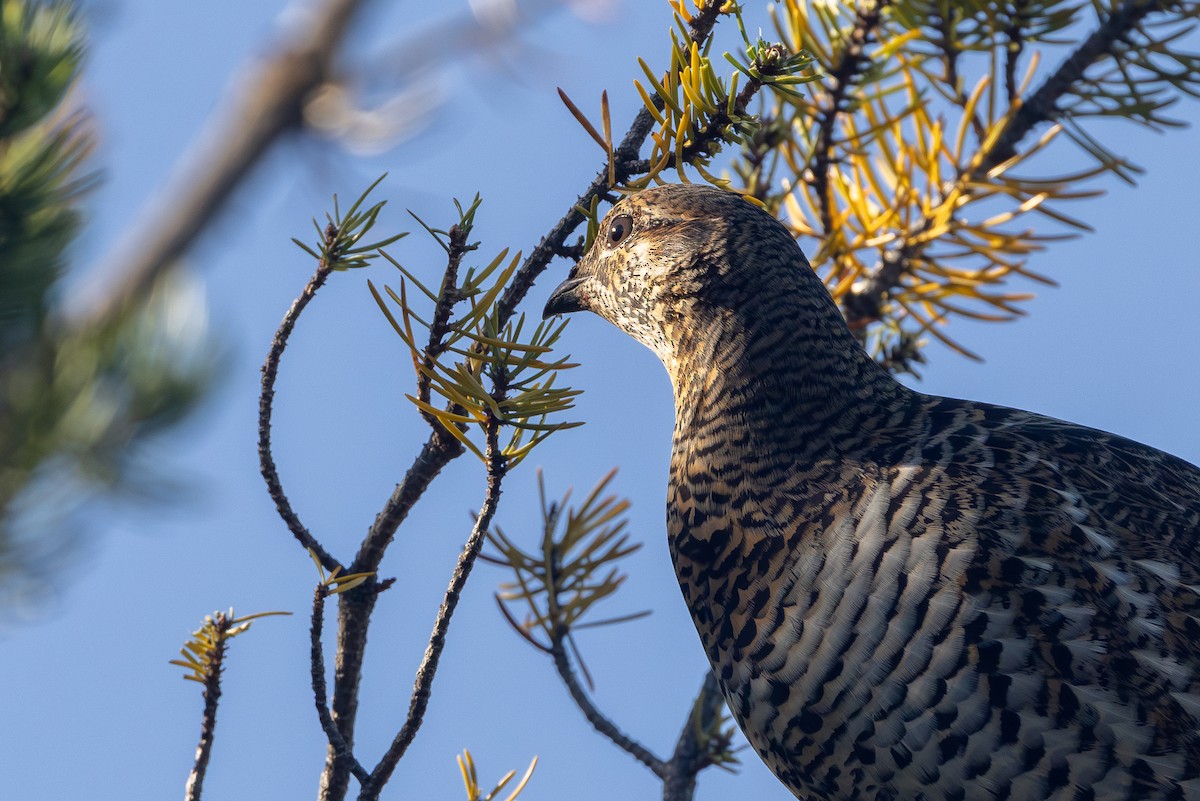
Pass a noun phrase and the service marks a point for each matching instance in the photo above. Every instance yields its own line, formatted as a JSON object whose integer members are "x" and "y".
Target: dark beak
{"x": 566, "y": 298}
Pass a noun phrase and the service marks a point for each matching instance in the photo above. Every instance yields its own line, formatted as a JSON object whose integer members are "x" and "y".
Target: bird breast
{"x": 844, "y": 618}
{"x": 872, "y": 647}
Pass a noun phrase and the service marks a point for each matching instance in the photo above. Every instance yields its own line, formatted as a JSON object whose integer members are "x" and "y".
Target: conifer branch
{"x": 853, "y": 59}
{"x": 355, "y": 606}
{"x": 1043, "y": 105}
{"x": 423, "y": 685}
{"x": 864, "y": 303}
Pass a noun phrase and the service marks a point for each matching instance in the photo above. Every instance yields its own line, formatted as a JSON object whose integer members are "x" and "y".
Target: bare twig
{"x": 950, "y": 53}
{"x": 354, "y": 614}
{"x": 423, "y": 686}
{"x": 594, "y": 716}
{"x": 266, "y": 105}
{"x": 559, "y": 636}
{"x": 266, "y": 399}
{"x": 336, "y": 742}
{"x": 203, "y": 658}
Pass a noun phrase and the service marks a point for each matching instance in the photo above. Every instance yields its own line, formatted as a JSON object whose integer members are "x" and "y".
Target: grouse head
{"x": 693, "y": 272}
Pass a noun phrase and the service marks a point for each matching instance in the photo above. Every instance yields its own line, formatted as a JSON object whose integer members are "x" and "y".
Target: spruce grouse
{"x": 905, "y": 597}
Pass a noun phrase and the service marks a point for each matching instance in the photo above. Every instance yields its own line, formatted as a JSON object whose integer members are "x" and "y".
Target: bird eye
{"x": 618, "y": 229}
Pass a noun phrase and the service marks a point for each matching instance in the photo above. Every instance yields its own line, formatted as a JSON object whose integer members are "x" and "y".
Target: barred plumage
{"x": 903, "y": 596}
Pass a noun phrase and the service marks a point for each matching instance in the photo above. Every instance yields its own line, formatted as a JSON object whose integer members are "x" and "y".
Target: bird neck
{"x": 788, "y": 392}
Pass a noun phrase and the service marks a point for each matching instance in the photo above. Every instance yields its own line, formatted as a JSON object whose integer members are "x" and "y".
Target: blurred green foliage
{"x": 76, "y": 403}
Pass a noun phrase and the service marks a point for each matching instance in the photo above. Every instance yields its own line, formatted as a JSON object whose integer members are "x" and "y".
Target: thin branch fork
{"x": 423, "y": 686}
{"x": 559, "y": 633}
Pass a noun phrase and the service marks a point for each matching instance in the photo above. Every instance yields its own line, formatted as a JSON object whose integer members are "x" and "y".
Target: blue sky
{"x": 92, "y": 708}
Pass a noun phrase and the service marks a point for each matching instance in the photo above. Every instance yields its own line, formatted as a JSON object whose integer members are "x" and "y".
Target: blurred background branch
{"x": 77, "y": 406}
{"x": 261, "y": 107}
{"x": 302, "y": 85}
